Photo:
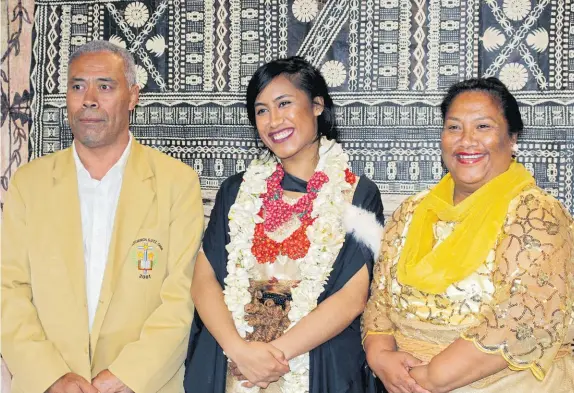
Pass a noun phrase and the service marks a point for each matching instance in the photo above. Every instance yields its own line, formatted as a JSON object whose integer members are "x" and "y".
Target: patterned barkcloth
{"x": 388, "y": 63}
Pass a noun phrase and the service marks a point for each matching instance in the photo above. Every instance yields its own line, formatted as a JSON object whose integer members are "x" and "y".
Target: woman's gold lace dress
{"x": 519, "y": 303}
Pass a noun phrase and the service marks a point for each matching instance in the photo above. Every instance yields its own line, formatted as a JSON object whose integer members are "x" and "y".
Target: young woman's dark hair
{"x": 497, "y": 90}
{"x": 303, "y": 75}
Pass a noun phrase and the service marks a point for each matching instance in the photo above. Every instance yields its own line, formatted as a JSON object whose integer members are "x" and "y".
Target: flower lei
{"x": 326, "y": 235}
{"x": 277, "y": 212}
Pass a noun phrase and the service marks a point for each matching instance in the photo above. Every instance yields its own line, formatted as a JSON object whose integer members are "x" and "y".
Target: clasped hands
{"x": 257, "y": 363}
{"x": 104, "y": 382}
{"x": 393, "y": 369}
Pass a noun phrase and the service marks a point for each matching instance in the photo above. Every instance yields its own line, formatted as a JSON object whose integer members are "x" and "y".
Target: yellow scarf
{"x": 479, "y": 218}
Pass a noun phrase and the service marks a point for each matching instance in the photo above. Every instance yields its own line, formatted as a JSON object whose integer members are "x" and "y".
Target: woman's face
{"x": 286, "y": 118}
{"x": 475, "y": 143}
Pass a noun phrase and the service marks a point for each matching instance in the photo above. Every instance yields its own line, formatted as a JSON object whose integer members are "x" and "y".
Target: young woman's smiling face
{"x": 286, "y": 118}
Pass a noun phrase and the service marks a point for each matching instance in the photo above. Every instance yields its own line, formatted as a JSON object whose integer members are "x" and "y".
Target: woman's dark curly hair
{"x": 497, "y": 90}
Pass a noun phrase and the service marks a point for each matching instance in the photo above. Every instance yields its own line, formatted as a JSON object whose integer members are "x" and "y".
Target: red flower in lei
{"x": 277, "y": 212}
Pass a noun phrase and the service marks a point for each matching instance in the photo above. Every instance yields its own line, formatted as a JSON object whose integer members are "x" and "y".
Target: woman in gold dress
{"x": 473, "y": 289}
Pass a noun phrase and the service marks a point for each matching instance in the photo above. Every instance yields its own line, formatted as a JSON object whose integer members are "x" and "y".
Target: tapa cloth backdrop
{"x": 387, "y": 63}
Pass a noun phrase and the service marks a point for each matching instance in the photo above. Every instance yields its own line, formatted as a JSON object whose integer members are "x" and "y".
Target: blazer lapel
{"x": 136, "y": 197}
{"x": 68, "y": 223}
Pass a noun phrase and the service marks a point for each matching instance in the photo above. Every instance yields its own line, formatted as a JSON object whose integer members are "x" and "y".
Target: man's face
{"x": 99, "y": 99}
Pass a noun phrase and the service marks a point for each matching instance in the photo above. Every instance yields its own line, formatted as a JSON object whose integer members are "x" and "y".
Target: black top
{"x": 338, "y": 365}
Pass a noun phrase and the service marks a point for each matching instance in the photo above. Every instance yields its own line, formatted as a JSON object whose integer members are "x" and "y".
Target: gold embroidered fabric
{"x": 432, "y": 268}
{"x": 518, "y": 303}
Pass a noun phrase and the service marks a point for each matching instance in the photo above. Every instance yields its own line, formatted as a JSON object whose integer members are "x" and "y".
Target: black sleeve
{"x": 367, "y": 196}
{"x": 216, "y": 235}
{"x": 338, "y": 365}
{"x": 354, "y": 254}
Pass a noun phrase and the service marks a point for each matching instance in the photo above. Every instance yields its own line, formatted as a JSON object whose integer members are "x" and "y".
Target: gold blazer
{"x": 141, "y": 327}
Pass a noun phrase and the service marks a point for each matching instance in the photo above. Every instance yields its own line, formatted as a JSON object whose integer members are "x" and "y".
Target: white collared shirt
{"x": 98, "y": 203}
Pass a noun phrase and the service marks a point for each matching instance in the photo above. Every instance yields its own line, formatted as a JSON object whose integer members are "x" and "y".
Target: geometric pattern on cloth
{"x": 387, "y": 63}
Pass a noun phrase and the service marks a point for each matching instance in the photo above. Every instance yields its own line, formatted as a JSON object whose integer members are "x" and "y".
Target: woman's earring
{"x": 514, "y": 150}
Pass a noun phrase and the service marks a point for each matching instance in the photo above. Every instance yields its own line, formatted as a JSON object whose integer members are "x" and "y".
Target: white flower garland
{"x": 326, "y": 236}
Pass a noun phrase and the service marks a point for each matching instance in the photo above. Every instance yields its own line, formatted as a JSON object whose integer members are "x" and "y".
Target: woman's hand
{"x": 392, "y": 367}
{"x": 260, "y": 363}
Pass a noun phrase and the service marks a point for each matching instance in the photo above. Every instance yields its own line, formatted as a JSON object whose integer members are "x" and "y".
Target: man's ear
{"x": 134, "y": 96}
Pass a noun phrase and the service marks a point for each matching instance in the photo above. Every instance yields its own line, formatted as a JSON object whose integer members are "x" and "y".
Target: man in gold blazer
{"x": 99, "y": 242}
